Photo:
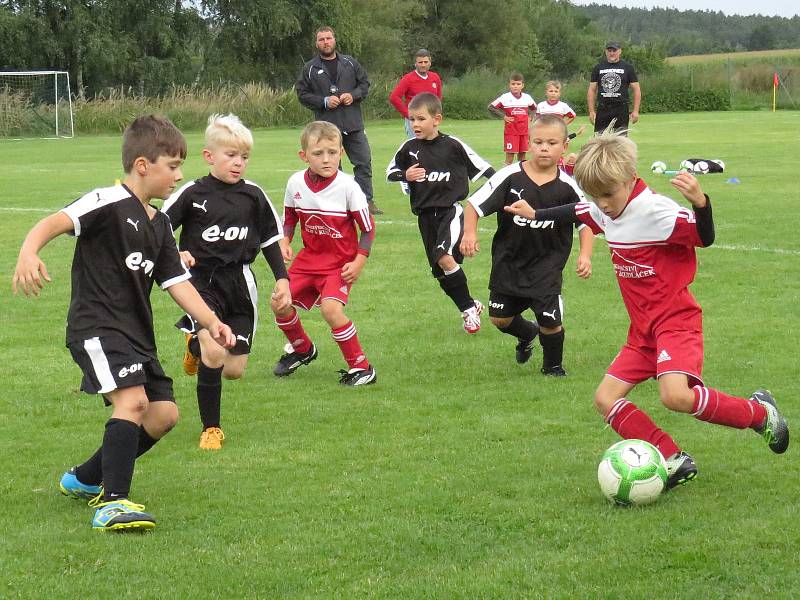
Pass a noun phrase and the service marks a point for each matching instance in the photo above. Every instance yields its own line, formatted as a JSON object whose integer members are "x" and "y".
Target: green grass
{"x": 460, "y": 474}
{"x": 790, "y": 54}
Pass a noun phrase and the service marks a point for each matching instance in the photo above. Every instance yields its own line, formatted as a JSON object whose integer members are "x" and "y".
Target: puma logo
{"x": 246, "y": 340}
{"x": 134, "y": 223}
{"x": 201, "y": 206}
{"x": 442, "y": 245}
{"x": 518, "y": 194}
{"x": 552, "y": 315}
{"x": 414, "y": 154}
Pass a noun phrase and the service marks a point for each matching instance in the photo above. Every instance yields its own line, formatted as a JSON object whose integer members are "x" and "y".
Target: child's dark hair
{"x": 516, "y": 76}
{"x": 428, "y": 101}
{"x": 151, "y": 136}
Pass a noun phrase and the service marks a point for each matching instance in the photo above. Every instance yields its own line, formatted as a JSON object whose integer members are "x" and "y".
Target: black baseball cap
{"x": 613, "y": 45}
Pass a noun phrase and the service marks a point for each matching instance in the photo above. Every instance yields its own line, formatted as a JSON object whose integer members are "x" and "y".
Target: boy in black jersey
{"x": 123, "y": 244}
{"x": 438, "y": 168}
{"x": 225, "y": 220}
{"x": 528, "y": 257}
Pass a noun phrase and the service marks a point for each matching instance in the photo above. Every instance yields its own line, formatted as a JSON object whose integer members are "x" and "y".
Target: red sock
{"x": 713, "y": 406}
{"x": 632, "y": 423}
{"x": 347, "y": 338}
{"x": 292, "y": 328}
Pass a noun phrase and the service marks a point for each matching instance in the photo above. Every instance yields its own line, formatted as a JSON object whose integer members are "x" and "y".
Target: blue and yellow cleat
{"x": 120, "y": 515}
{"x": 70, "y": 486}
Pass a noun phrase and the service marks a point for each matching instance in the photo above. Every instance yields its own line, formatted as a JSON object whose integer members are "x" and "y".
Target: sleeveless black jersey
{"x": 449, "y": 166}
{"x": 119, "y": 252}
{"x": 527, "y": 256}
{"x": 223, "y": 224}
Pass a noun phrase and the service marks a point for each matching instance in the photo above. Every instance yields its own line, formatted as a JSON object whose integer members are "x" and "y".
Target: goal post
{"x": 35, "y": 104}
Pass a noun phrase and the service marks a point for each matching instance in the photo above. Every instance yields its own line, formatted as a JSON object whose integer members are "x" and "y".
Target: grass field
{"x": 460, "y": 474}
{"x": 790, "y": 54}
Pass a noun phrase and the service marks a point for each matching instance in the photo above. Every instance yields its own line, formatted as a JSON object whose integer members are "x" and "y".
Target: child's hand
{"x": 28, "y": 275}
{"x": 415, "y": 173}
{"x": 221, "y": 333}
{"x": 508, "y": 119}
{"x": 281, "y": 296}
{"x": 187, "y": 258}
{"x": 521, "y": 208}
{"x": 689, "y": 187}
{"x": 286, "y": 249}
{"x": 469, "y": 244}
{"x": 352, "y": 270}
{"x": 584, "y": 269}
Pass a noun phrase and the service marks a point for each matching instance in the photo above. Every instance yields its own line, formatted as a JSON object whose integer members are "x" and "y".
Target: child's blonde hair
{"x": 228, "y": 130}
{"x": 319, "y": 130}
{"x": 605, "y": 162}
{"x": 553, "y": 83}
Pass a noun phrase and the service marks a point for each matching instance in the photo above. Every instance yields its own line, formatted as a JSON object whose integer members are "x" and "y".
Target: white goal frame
{"x": 61, "y": 130}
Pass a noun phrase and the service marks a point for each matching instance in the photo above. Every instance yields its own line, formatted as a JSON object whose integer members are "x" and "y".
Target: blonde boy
{"x": 329, "y": 206}
{"x": 123, "y": 245}
{"x": 225, "y": 220}
{"x": 652, "y": 242}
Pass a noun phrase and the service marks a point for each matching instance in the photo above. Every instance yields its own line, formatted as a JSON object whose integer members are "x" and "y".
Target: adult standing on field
{"x": 333, "y": 85}
{"x": 613, "y": 76}
{"x": 421, "y": 79}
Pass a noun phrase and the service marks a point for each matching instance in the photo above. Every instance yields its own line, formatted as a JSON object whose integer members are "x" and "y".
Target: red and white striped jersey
{"x": 561, "y": 109}
{"x": 652, "y": 244}
{"x": 516, "y": 107}
{"x": 330, "y": 212}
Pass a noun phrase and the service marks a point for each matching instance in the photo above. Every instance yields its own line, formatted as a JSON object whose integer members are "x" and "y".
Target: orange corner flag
{"x": 775, "y": 81}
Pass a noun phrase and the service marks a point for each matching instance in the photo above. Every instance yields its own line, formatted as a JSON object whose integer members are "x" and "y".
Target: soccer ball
{"x": 658, "y": 167}
{"x": 632, "y": 472}
{"x": 700, "y": 167}
{"x": 686, "y": 165}
{"x": 720, "y": 163}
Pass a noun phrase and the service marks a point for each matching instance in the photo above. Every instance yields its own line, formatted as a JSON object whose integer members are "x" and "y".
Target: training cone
{"x": 733, "y": 180}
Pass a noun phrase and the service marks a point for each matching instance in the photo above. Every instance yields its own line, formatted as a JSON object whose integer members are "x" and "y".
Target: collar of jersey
{"x": 218, "y": 183}
{"x": 638, "y": 187}
{"x": 321, "y": 182}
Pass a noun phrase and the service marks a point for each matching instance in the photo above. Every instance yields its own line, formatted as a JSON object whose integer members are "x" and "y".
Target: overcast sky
{"x": 779, "y": 8}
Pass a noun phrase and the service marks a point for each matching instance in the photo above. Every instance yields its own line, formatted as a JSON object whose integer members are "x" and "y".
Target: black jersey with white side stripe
{"x": 119, "y": 252}
{"x": 527, "y": 256}
{"x": 223, "y": 224}
{"x": 449, "y": 165}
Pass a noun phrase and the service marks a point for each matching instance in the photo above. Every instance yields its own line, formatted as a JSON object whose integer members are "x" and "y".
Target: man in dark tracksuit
{"x": 333, "y": 86}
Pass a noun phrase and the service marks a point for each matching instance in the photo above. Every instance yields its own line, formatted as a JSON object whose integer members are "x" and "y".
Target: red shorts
{"x": 514, "y": 144}
{"x": 667, "y": 352}
{"x": 309, "y": 290}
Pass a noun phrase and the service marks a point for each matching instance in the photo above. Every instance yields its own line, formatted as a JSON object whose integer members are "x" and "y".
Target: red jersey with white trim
{"x": 330, "y": 211}
{"x": 559, "y": 108}
{"x": 412, "y": 84}
{"x": 518, "y": 108}
{"x": 652, "y": 243}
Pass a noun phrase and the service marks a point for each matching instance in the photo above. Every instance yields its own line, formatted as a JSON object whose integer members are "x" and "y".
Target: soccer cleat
{"x": 472, "y": 318}
{"x": 211, "y": 439}
{"x": 118, "y": 515}
{"x": 775, "y": 430}
{"x": 190, "y": 361}
{"x": 70, "y": 486}
{"x": 291, "y": 361}
{"x": 680, "y": 469}
{"x": 366, "y": 376}
{"x": 557, "y": 371}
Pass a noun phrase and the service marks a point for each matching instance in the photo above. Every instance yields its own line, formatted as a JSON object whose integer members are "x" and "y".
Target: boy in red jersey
{"x": 330, "y": 206}
{"x": 652, "y": 241}
{"x": 516, "y": 108}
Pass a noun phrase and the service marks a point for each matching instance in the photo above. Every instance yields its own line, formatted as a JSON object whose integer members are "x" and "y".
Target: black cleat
{"x": 524, "y": 351}
{"x": 360, "y": 377}
{"x": 557, "y": 371}
{"x": 291, "y": 361}
{"x": 775, "y": 430}
{"x": 680, "y": 469}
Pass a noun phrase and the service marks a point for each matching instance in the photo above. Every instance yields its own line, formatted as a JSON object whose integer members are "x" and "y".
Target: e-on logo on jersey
{"x": 435, "y": 176}
{"x": 136, "y": 261}
{"x": 523, "y": 222}
{"x": 215, "y": 234}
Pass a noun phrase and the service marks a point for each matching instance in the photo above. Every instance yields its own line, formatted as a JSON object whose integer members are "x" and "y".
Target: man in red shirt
{"x": 421, "y": 79}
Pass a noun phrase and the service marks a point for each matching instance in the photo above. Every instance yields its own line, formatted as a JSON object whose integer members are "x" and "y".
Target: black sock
{"x": 521, "y": 328}
{"x": 120, "y": 443}
{"x": 552, "y": 349}
{"x": 145, "y": 442}
{"x": 456, "y": 287}
{"x": 209, "y": 394}
{"x": 91, "y": 472}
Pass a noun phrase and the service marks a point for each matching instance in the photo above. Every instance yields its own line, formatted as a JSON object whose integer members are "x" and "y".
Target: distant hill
{"x": 694, "y": 32}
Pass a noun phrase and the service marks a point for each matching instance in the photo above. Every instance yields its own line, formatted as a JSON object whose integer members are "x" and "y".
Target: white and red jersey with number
{"x": 517, "y": 107}
{"x": 330, "y": 212}
{"x": 559, "y": 108}
{"x": 652, "y": 244}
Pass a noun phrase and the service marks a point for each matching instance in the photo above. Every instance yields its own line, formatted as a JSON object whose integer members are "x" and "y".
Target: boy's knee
{"x": 550, "y": 330}
{"x": 232, "y": 373}
{"x": 501, "y": 322}
{"x": 678, "y": 400}
{"x": 447, "y": 262}
{"x": 603, "y": 402}
{"x": 332, "y": 311}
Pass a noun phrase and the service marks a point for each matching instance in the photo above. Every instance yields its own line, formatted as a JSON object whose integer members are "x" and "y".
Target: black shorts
{"x": 441, "y": 230}
{"x": 549, "y": 308}
{"x": 604, "y": 117}
{"x": 110, "y": 363}
{"x": 233, "y": 296}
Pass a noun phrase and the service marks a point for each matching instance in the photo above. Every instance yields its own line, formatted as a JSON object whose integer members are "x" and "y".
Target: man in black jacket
{"x": 333, "y": 86}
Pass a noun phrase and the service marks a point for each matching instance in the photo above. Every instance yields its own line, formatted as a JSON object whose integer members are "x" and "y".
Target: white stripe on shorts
{"x": 455, "y": 228}
{"x": 100, "y": 365}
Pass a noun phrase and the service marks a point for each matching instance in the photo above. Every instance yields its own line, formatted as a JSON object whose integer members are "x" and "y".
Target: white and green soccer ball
{"x": 632, "y": 472}
{"x": 658, "y": 167}
{"x": 686, "y": 165}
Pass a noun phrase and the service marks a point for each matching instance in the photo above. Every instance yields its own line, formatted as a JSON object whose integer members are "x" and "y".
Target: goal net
{"x": 35, "y": 104}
